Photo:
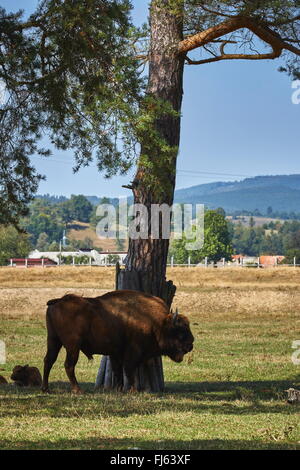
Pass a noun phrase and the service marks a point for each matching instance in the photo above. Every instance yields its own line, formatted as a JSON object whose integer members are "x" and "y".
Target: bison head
{"x": 20, "y": 373}
{"x": 178, "y": 336}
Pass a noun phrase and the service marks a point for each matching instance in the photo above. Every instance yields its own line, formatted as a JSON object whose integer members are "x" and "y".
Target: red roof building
{"x": 30, "y": 262}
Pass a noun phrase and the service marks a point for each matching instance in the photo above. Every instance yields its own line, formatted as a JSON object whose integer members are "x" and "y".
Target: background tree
{"x": 43, "y": 218}
{"x": 290, "y": 256}
{"x": 217, "y": 241}
{"x": 12, "y": 244}
{"x": 80, "y": 208}
{"x": 42, "y": 243}
{"x": 65, "y": 212}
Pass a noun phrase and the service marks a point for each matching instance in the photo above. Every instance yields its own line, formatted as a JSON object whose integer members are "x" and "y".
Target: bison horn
{"x": 175, "y": 315}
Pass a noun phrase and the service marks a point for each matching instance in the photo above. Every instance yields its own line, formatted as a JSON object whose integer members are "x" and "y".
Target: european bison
{"x": 3, "y": 380}
{"x": 26, "y": 376}
{"x": 129, "y": 326}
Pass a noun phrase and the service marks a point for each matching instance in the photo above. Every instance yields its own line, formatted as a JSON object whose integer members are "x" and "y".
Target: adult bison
{"x": 129, "y": 326}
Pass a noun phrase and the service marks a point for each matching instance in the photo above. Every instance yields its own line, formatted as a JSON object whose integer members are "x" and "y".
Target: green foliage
{"x": 79, "y": 208}
{"x": 271, "y": 239}
{"x": 113, "y": 259}
{"x": 42, "y": 243}
{"x": 217, "y": 242}
{"x": 95, "y": 219}
{"x": 12, "y": 244}
{"x": 77, "y": 259}
{"x": 157, "y": 156}
{"x": 69, "y": 70}
{"x": 48, "y": 219}
{"x": 222, "y": 238}
{"x": 43, "y": 218}
{"x": 290, "y": 255}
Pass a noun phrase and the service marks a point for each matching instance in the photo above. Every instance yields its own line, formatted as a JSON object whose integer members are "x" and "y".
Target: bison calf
{"x": 26, "y": 376}
{"x": 3, "y": 380}
{"x": 129, "y": 326}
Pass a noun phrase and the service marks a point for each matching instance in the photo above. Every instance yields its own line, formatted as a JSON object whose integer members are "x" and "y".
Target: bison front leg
{"x": 70, "y": 363}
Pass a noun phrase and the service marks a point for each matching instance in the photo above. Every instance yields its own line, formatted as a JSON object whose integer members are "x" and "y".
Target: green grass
{"x": 227, "y": 394}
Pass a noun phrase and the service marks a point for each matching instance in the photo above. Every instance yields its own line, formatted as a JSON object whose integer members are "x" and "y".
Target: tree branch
{"x": 271, "y": 55}
{"x": 211, "y": 34}
{"x": 238, "y": 22}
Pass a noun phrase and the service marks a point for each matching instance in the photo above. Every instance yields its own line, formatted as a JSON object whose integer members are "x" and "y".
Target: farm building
{"x": 263, "y": 261}
{"x": 30, "y": 262}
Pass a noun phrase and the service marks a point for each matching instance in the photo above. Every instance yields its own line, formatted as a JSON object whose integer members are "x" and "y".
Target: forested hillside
{"x": 280, "y": 193}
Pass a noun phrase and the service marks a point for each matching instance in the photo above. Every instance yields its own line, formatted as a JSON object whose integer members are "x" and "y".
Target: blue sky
{"x": 238, "y": 121}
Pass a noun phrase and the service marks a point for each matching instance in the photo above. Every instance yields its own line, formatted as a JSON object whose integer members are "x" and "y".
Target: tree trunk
{"x": 146, "y": 261}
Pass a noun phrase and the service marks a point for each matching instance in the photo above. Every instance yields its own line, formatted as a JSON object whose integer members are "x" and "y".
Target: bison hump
{"x": 66, "y": 297}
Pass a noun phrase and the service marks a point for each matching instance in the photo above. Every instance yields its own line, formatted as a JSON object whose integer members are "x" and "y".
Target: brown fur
{"x": 26, "y": 376}
{"x": 3, "y": 380}
{"x": 129, "y": 326}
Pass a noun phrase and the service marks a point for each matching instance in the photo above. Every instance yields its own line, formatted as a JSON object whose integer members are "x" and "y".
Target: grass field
{"x": 227, "y": 394}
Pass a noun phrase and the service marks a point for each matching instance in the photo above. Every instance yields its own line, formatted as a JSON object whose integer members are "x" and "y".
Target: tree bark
{"x": 146, "y": 262}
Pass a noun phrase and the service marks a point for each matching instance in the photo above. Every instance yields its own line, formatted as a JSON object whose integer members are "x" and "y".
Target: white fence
{"x": 255, "y": 263}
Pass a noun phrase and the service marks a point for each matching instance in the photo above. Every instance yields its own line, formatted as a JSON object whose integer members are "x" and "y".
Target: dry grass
{"x": 84, "y": 230}
{"x": 204, "y": 292}
{"x": 22, "y": 303}
{"x": 188, "y": 278}
{"x": 66, "y": 276}
{"x": 240, "y": 278}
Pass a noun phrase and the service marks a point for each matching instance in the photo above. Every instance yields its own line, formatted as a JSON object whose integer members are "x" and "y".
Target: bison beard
{"x": 129, "y": 326}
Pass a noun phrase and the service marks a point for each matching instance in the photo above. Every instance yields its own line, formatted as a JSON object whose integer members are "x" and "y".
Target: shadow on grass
{"x": 99, "y": 443}
{"x": 261, "y": 388}
{"x": 232, "y": 398}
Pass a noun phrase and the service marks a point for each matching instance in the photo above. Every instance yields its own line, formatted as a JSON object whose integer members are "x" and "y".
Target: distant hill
{"x": 281, "y": 192}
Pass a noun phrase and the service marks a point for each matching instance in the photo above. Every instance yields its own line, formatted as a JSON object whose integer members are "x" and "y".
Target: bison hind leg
{"x": 117, "y": 369}
{"x": 53, "y": 347}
